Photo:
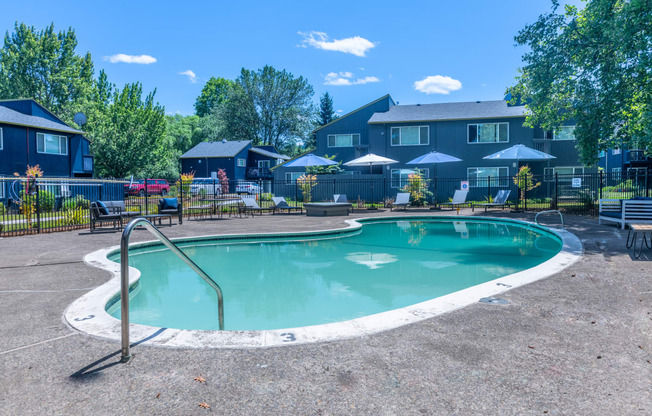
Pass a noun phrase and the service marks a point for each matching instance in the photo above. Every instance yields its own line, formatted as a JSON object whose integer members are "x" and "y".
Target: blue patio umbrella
{"x": 520, "y": 152}
{"x": 309, "y": 160}
{"x": 433, "y": 158}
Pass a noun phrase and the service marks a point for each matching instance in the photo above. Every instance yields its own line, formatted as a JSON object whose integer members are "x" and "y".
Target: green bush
{"x": 266, "y": 197}
{"x": 46, "y": 200}
{"x": 74, "y": 216}
{"x": 2, "y": 209}
{"x": 76, "y": 202}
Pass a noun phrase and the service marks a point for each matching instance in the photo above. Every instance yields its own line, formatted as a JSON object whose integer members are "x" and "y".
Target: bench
{"x": 114, "y": 212}
{"x": 623, "y": 211}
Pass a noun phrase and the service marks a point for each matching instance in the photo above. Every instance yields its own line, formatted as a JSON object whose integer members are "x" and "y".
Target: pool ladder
{"x": 552, "y": 211}
{"x": 124, "y": 278}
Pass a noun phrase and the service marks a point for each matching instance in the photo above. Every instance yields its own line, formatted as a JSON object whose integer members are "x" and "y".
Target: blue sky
{"x": 417, "y": 51}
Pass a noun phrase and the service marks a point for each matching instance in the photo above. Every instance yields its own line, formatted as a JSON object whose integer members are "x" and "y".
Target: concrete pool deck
{"x": 577, "y": 342}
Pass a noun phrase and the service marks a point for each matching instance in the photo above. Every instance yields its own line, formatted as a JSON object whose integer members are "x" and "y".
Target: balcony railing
{"x": 259, "y": 173}
{"x": 542, "y": 145}
{"x": 638, "y": 155}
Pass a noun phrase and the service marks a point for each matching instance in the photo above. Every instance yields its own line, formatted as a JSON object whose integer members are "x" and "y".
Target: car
{"x": 154, "y": 187}
{"x": 248, "y": 188}
{"x": 205, "y": 186}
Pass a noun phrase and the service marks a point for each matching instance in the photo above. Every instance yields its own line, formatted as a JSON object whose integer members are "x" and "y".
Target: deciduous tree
{"x": 214, "y": 93}
{"x": 592, "y": 67}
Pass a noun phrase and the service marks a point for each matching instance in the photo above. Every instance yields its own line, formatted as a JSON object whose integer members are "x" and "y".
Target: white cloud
{"x": 356, "y": 45}
{"x": 346, "y": 78}
{"x": 191, "y": 75}
{"x": 130, "y": 59}
{"x": 437, "y": 84}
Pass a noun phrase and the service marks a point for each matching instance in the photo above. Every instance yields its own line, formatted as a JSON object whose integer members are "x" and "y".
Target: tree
{"x": 326, "y": 112}
{"x": 44, "y": 66}
{"x": 184, "y": 132}
{"x": 326, "y": 169}
{"x": 129, "y": 136}
{"x": 592, "y": 67}
{"x": 269, "y": 107}
{"x": 214, "y": 93}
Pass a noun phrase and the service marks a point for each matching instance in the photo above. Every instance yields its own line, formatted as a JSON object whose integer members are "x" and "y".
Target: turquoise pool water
{"x": 289, "y": 282}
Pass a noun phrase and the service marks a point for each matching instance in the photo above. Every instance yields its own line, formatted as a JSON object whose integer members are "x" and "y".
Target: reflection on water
{"x": 284, "y": 284}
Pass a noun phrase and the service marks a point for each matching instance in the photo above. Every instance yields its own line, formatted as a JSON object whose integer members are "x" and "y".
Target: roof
{"x": 354, "y": 111}
{"x": 268, "y": 153}
{"x": 9, "y": 116}
{"x": 448, "y": 111}
{"x": 216, "y": 149}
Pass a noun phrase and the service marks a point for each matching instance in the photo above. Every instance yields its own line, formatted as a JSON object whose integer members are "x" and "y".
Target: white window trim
{"x": 424, "y": 171}
{"x": 616, "y": 151}
{"x": 266, "y": 164}
{"x": 288, "y": 177}
{"x": 328, "y": 141}
{"x": 554, "y": 135}
{"x": 468, "y": 139}
{"x": 400, "y": 136}
{"x": 551, "y": 177}
{"x": 65, "y": 138}
{"x": 241, "y": 163}
{"x": 1, "y": 145}
{"x": 496, "y": 184}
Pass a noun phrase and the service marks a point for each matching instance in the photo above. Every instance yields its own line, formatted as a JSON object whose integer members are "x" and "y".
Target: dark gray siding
{"x": 203, "y": 167}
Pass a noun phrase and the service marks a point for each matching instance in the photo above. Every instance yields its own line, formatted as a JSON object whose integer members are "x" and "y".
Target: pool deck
{"x": 578, "y": 342}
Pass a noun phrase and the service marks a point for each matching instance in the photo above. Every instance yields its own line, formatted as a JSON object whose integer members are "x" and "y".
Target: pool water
{"x": 290, "y": 282}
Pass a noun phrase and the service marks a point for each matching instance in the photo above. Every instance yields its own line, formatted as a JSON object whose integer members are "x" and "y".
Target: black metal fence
{"x": 47, "y": 205}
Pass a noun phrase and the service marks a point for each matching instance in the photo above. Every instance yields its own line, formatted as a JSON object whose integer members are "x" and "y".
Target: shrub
{"x": 266, "y": 196}
{"x": 76, "y": 202}
{"x": 2, "y": 209}
{"x": 74, "y": 216}
{"x": 417, "y": 187}
{"x": 46, "y": 200}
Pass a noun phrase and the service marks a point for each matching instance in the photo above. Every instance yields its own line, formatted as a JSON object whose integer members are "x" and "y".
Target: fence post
{"x": 556, "y": 195}
{"x": 181, "y": 197}
{"x": 384, "y": 190}
{"x": 146, "y": 197}
{"x": 38, "y": 207}
{"x": 647, "y": 183}
{"x": 600, "y": 185}
{"x": 489, "y": 189}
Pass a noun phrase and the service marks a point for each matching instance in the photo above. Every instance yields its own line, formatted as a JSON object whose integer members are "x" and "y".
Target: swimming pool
{"x": 295, "y": 281}
{"x": 89, "y": 312}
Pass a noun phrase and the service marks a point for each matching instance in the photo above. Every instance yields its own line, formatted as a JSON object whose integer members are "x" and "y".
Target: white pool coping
{"x": 87, "y": 314}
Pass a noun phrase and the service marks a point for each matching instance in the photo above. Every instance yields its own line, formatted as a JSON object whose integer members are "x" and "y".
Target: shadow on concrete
{"x": 95, "y": 368}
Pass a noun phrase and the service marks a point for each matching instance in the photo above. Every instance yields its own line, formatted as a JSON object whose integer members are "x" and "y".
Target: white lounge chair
{"x": 459, "y": 198}
{"x": 281, "y": 204}
{"x": 402, "y": 200}
{"x": 499, "y": 201}
{"x": 340, "y": 198}
{"x": 635, "y": 211}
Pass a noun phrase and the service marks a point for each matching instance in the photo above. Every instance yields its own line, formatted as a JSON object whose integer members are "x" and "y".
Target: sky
{"x": 419, "y": 52}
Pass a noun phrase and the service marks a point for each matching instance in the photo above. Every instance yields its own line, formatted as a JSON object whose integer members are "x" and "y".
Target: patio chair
{"x": 402, "y": 200}
{"x": 250, "y": 206}
{"x": 499, "y": 201}
{"x": 281, "y": 204}
{"x": 636, "y": 210}
{"x": 459, "y": 199}
{"x": 170, "y": 206}
{"x": 340, "y": 198}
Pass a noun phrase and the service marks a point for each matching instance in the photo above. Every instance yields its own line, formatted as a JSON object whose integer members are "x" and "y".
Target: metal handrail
{"x": 124, "y": 278}
{"x": 561, "y": 217}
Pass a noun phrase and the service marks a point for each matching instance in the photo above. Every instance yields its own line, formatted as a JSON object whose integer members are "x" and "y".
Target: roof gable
{"x": 10, "y": 116}
{"x": 384, "y": 97}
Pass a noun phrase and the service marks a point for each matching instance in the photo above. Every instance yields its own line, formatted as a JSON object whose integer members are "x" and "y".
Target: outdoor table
{"x": 159, "y": 217}
{"x": 639, "y": 228}
{"x": 216, "y": 202}
{"x": 327, "y": 209}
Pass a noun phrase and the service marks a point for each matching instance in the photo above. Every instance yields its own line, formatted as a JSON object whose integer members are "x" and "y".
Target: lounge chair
{"x": 402, "y": 200}
{"x": 280, "y": 204}
{"x": 251, "y": 206}
{"x": 340, "y": 198}
{"x": 459, "y": 199}
{"x": 499, "y": 201}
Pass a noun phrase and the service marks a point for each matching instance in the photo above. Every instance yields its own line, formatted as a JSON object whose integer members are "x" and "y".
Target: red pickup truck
{"x": 154, "y": 187}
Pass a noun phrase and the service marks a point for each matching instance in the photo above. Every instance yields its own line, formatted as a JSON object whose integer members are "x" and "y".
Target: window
{"x": 51, "y": 144}
{"x": 2, "y": 186}
{"x": 400, "y": 176}
{"x": 410, "y": 136}
{"x": 616, "y": 173}
{"x": 565, "y": 173}
{"x": 291, "y": 177}
{"x": 615, "y": 151}
{"x": 343, "y": 140}
{"x": 1, "y": 143}
{"x": 488, "y": 133}
{"x": 478, "y": 177}
{"x": 566, "y": 133}
{"x": 241, "y": 163}
{"x": 263, "y": 164}
{"x": 602, "y": 153}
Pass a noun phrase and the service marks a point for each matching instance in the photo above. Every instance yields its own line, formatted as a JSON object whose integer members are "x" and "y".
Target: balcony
{"x": 638, "y": 155}
{"x": 259, "y": 173}
{"x": 542, "y": 145}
